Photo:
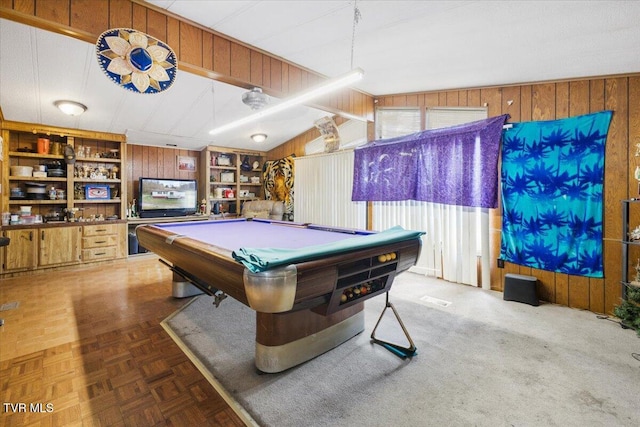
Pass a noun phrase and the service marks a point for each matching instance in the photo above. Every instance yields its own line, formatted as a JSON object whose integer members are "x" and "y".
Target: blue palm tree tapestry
{"x": 552, "y": 183}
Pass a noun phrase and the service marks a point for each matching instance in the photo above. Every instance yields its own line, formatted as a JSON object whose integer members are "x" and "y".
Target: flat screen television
{"x": 166, "y": 197}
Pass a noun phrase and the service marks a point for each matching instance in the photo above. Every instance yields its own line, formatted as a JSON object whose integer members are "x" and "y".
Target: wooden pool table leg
{"x": 284, "y": 340}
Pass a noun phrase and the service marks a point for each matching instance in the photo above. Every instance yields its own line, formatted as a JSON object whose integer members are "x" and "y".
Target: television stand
{"x": 132, "y": 223}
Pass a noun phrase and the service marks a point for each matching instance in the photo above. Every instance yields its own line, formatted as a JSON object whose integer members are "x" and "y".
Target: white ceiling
{"x": 403, "y": 47}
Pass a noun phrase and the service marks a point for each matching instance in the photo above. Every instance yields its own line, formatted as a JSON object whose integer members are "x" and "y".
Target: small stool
{"x": 521, "y": 289}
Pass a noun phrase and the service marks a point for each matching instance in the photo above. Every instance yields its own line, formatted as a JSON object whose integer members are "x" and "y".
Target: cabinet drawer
{"x": 99, "y": 230}
{"x": 99, "y": 253}
{"x": 98, "y": 241}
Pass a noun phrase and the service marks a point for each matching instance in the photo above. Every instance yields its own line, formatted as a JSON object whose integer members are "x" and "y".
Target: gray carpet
{"x": 481, "y": 361}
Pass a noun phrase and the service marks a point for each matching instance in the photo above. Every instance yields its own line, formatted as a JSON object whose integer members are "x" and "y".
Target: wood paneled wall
{"x": 294, "y": 146}
{"x": 549, "y": 101}
{"x": 199, "y": 50}
{"x": 156, "y": 162}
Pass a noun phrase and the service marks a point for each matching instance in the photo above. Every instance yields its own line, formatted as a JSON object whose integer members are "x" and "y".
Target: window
{"x": 456, "y": 244}
{"x": 392, "y": 122}
{"x": 441, "y": 117}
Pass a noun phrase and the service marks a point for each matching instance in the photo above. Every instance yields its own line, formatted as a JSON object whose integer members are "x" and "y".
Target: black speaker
{"x": 521, "y": 289}
{"x": 133, "y": 244}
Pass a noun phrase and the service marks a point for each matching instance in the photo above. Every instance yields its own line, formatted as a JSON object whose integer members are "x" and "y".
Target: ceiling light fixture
{"x": 255, "y": 98}
{"x": 259, "y": 137}
{"x": 71, "y": 108}
{"x": 305, "y": 96}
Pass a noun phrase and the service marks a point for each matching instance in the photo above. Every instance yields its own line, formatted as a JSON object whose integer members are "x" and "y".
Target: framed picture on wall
{"x": 186, "y": 163}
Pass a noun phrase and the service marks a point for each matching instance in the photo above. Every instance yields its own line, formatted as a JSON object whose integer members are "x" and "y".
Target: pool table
{"x": 304, "y": 307}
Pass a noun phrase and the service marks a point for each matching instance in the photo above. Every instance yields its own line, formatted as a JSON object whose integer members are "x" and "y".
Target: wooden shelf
{"x": 35, "y": 179}
{"x": 97, "y": 181}
{"x": 37, "y": 202}
{"x": 87, "y": 201}
{"x": 98, "y": 160}
{"x": 35, "y": 155}
{"x": 211, "y": 171}
{"x": 222, "y": 199}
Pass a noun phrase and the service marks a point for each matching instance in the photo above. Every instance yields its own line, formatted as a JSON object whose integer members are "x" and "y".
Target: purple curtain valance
{"x": 457, "y": 165}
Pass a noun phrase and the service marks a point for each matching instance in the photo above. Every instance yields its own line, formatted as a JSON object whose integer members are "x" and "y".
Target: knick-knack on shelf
{"x": 245, "y": 166}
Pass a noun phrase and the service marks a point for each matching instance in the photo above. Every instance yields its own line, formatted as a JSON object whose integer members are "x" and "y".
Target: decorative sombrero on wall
{"x": 136, "y": 61}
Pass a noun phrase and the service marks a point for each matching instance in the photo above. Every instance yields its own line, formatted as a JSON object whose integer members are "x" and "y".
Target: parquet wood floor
{"x": 86, "y": 343}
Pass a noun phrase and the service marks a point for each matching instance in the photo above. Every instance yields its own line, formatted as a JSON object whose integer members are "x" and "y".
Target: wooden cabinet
{"x": 21, "y": 254}
{"x": 59, "y": 246}
{"x": 230, "y": 178}
{"x": 35, "y": 247}
{"x": 103, "y": 241}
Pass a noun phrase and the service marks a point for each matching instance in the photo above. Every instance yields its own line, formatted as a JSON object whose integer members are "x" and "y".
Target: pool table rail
{"x": 210, "y": 264}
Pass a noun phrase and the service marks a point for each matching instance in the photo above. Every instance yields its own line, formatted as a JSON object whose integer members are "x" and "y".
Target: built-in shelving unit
{"x": 230, "y": 177}
{"x": 98, "y": 165}
{"x": 71, "y": 184}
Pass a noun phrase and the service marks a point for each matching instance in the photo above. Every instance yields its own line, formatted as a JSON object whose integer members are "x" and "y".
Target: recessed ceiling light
{"x": 71, "y": 108}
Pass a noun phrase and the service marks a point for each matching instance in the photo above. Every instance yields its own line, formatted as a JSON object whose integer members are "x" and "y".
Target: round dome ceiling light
{"x": 71, "y": 108}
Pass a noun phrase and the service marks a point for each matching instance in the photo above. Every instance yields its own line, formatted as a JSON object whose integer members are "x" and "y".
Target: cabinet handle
{"x": 31, "y": 236}
{"x": 101, "y": 241}
{"x": 42, "y": 234}
{"x": 101, "y": 229}
{"x": 100, "y": 253}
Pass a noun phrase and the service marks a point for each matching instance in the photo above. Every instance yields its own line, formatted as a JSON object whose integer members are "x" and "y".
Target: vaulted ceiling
{"x": 402, "y": 46}
{"x": 415, "y": 46}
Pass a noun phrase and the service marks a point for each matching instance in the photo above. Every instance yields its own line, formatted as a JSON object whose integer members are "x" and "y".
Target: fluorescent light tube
{"x": 305, "y": 96}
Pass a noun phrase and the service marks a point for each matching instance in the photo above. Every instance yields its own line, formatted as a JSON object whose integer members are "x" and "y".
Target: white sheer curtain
{"x": 322, "y": 186}
{"x": 456, "y": 244}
